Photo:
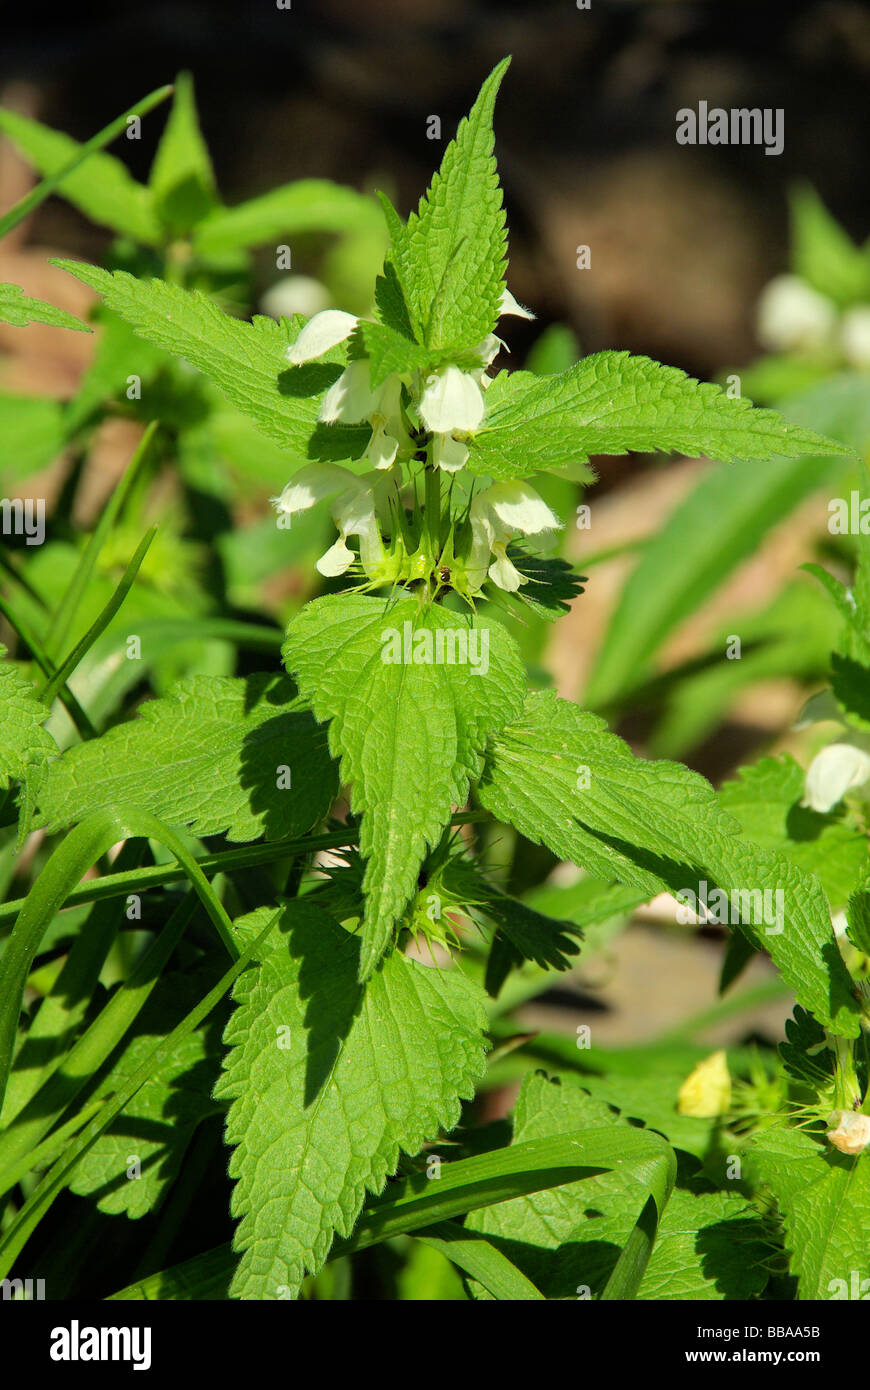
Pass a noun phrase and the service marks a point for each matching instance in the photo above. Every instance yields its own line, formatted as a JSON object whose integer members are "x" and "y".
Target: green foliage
{"x": 611, "y": 403}
{"x": 19, "y": 309}
{"x": 410, "y": 733}
{"x": 217, "y": 755}
{"x": 657, "y": 826}
{"x": 329, "y": 1079}
{"x": 100, "y": 187}
{"x": 370, "y": 839}
{"x": 450, "y": 257}
{"x": 26, "y": 748}
{"x": 824, "y": 1201}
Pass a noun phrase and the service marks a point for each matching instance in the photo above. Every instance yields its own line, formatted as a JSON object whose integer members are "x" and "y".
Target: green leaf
{"x": 858, "y": 917}
{"x": 182, "y": 179}
{"x": 100, "y": 187}
{"x": 691, "y": 556}
{"x": 389, "y": 352}
{"x": 246, "y": 361}
{"x": 824, "y": 1199}
{"x": 20, "y": 310}
{"x": 568, "y": 1238}
{"x": 824, "y": 254}
{"x": 450, "y": 258}
{"x": 25, "y": 746}
{"x": 850, "y": 682}
{"x": 328, "y": 1081}
{"x": 156, "y": 1127}
{"x": 311, "y": 205}
{"x": 19, "y": 1230}
{"x": 611, "y": 403}
{"x": 465, "y": 1185}
{"x": 523, "y": 933}
{"x": 410, "y": 733}
{"x": 766, "y": 799}
{"x": 31, "y": 434}
{"x": 805, "y": 1054}
{"x": 210, "y": 756}
{"x": 563, "y": 781}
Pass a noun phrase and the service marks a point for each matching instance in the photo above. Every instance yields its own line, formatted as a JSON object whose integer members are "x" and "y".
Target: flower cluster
{"x": 413, "y": 417}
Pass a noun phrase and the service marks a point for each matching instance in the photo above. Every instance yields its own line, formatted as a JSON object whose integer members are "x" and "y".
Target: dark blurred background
{"x": 682, "y": 239}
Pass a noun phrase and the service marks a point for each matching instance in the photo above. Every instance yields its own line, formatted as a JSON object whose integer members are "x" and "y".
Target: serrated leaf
{"x": 155, "y": 1128}
{"x": 25, "y": 746}
{"x": 100, "y": 187}
{"x": 850, "y": 682}
{"x": 210, "y": 756}
{"x": 524, "y": 934}
{"x": 450, "y": 257}
{"x": 410, "y": 733}
{"x": 563, "y": 781}
{"x": 389, "y": 352}
{"x": 363, "y": 1072}
{"x": 706, "y": 1247}
{"x": 766, "y": 799}
{"x": 824, "y": 1199}
{"x": 805, "y": 1054}
{"x": 613, "y": 403}
{"x": 19, "y": 309}
{"x": 858, "y": 917}
{"x": 246, "y": 361}
{"x": 552, "y": 586}
{"x": 182, "y": 179}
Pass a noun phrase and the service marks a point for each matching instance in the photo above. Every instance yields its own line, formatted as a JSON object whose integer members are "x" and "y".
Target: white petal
{"x": 321, "y": 333}
{"x": 451, "y": 400}
{"x": 855, "y": 335}
{"x": 509, "y": 305}
{"x": 487, "y": 351}
{"x": 503, "y": 573}
{"x": 295, "y": 294}
{"x": 371, "y": 547}
{"x": 477, "y": 560}
{"x": 518, "y": 508}
{"x": 448, "y": 453}
{"x": 833, "y": 772}
{"x": 850, "y": 1131}
{"x": 791, "y": 314}
{"x": 382, "y": 449}
{"x": 311, "y": 485}
{"x": 350, "y": 399}
{"x": 354, "y": 510}
{"x": 337, "y": 560}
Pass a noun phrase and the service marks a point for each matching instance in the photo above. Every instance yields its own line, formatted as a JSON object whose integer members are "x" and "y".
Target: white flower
{"x": 354, "y": 512}
{"x": 833, "y": 772}
{"x": 850, "y": 1131}
{"x": 351, "y": 399}
{"x": 452, "y": 401}
{"x": 855, "y": 335}
{"x": 326, "y": 330}
{"x": 294, "y": 294}
{"x": 791, "y": 314}
{"x": 497, "y": 515}
{"x": 312, "y": 484}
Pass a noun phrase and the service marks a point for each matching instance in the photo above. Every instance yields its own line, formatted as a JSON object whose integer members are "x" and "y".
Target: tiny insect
{"x": 444, "y": 574}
